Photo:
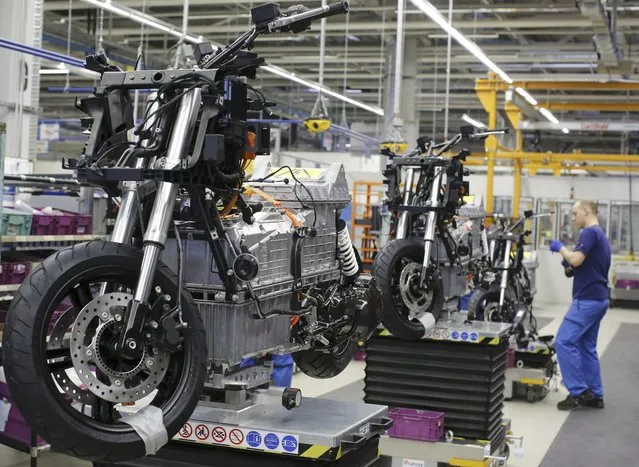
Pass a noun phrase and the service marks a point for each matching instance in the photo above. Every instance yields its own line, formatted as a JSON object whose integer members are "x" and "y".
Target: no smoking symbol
{"x": 186, "y": 431}
{"x": 236, "y": 436}
{"x": 219, "y": 434}
{"x": 202, "y": 432}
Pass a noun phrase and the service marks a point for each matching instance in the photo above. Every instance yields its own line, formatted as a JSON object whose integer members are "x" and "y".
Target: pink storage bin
{"x": 423, "y": 425}
{"x": 84, "y": 224}
{"x": 42, "y": 224}
{"x": 16, "y": 273}
{"x": 64, "y": 224}
{"x": 16, "y": 426}
{"x": 627, "y": 284}
{"x": 510, "y": 357}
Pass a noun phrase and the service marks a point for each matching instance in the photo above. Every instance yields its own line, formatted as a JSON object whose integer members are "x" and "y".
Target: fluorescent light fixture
{"x": 472, "y": 121}
{"x": 565, "y": 130}
{"x": 473, "y": 36}
{"x": 293, "y": 77}
{"x": 61, "y": 66}
{"x": 53, "y": 71}
{"x": 469, "y": 45}
{"x": 548, "y": 114}
{"x": 353, "y": 91}
{"x": 170, "y": 29}
{"x": 523, "y": 93}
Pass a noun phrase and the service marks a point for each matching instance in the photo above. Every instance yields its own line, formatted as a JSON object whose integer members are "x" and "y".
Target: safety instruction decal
{"x": 224, "y": 435}
{"x": 460, "y": 335}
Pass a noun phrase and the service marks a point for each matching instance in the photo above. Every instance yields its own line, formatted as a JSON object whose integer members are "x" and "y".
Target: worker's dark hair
{"x": 589, "y": 205}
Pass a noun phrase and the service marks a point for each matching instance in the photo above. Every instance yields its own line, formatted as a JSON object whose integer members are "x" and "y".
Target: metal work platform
{"x": 266, "y": 434}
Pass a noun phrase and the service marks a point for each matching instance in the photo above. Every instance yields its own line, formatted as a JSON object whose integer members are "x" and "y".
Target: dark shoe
{"x": 595, "y": 402}
{"x": 585, "y": 399}
{"x": 569, "y": 403}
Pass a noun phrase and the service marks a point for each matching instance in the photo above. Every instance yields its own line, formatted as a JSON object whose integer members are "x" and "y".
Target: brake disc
{"x": 415, "y": 298}
{"x": 57, "y": 341}
{"x": 120, "y": 380}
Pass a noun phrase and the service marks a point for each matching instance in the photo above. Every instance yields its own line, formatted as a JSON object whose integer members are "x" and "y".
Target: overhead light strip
{"x": 472, "y": 121}
{"x": 548, "y": 114}
{"x": 152, "y": 22}
{"x": 433, "y": 13}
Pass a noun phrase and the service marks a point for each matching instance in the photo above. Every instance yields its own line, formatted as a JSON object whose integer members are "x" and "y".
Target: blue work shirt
{"x": 591, "y": 278}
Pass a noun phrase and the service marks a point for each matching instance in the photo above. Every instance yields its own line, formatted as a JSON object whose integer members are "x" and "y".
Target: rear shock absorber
{"x": 345, "y": 251}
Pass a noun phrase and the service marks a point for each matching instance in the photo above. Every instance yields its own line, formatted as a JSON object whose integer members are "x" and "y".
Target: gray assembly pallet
{"x": 319, "y": 429}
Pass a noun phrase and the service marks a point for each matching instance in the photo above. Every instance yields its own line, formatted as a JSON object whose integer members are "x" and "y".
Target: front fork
{"x": 431, "y": 222}
{"x": 160, "y": 220}
{"x": 504, "y": 275}
{"x": 402, "y": 225}
{"x": 124, "y": 222}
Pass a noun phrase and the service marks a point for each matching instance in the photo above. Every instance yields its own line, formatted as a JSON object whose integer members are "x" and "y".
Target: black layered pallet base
{"x": 463, "y": 380}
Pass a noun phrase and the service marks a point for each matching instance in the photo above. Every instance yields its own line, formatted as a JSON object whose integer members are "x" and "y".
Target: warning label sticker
{"x": 224, "y": 435}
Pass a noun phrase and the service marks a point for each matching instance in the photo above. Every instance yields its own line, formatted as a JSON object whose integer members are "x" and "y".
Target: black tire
{"x": 29, "y": 375}
{"x": 317, "y": 364}
{"x": 386, "y": 270}
{"x": 482, "y": 297}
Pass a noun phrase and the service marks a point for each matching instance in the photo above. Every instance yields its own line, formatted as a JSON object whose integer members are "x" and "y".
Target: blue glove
{"x": 555, "y": 246}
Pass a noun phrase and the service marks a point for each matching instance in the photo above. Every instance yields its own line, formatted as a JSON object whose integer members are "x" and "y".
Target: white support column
{"x": 408, "y": 108}
{"x": 20, "y": 21}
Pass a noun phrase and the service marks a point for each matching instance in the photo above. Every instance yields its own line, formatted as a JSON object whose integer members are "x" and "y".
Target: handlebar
{"x": 487, "y": 133}
{"x": 426, "y": 145}
{"x": 288, "y": 22}
{"x": 268, "y": 19}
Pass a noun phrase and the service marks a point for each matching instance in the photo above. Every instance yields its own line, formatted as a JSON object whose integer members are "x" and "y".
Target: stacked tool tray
{"x": 465, "y": 380}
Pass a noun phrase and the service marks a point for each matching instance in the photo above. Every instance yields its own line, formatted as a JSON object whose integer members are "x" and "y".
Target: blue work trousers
{"x": 576, "y": 346}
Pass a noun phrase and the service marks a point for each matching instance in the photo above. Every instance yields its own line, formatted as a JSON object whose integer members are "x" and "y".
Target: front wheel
{"x": 483, "y": 305}
{"x": 397, "y": 270}
{"x": 61, "y": 362}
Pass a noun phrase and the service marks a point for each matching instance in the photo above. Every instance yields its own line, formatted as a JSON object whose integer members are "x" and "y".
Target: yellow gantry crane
{"x": 487, "y": 91}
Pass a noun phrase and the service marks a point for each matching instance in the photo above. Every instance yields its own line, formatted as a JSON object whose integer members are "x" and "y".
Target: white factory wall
{"x": 597, "y": 188}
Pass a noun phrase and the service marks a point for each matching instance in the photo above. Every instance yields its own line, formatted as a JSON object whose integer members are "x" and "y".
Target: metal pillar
{"x": 408, "y": 109}
{"x": 20, "y": 81}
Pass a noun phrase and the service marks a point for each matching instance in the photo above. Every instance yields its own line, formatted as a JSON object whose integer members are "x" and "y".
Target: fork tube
{"x": 124, "y": 222}
{"x": 162, "y": 212}
{"x": 429, "y": 235}
{"x": 504, "y": 275}
{"x": 402, "y": 225}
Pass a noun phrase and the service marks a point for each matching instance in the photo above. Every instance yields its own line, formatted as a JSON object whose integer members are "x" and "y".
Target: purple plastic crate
{"x": 64, "y": 224}
{"x": 627, "y": 284}
{"x": 422, "y": 425}
{"x": 16, "y": 272}
{"x": 84, "y": 224}
{"x": 16, "y": 427}
{"x": 42, "y": 224}
{"x": 510, "y": 357}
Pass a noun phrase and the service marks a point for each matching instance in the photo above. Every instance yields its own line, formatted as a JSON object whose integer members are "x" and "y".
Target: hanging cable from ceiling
{"x": 319, "y": 122}
{"x": 67, "y": 84}
{"x": 394, "y": 140}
